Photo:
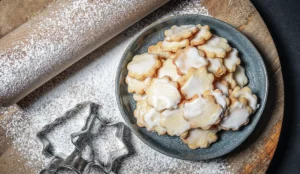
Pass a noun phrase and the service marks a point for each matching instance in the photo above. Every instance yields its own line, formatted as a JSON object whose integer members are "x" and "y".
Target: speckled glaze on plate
{"x": 173, "y": 146}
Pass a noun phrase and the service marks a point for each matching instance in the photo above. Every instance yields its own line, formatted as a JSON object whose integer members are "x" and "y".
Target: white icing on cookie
{"x": 247, "y": 94}
{"x": 138, "y": 97}
{"x": 173, "y": 45}
{"x": 188, "y": 58}
{"x": 177, "y": 33}
{"x": 215, "y": 47}
{"x": 201, "y": 36}
{"x": 168, "y": 69}
{"x": 220, "y": 98}
{"x": 152, "y": 121}
{"x": 143, "y": 66}
{"x": 202, "y": 112}
{"x": 223, "y": 86}
{"x": 232, "y": 60}
{"x": 240, "y": 76}
{"x": 198, "y": 138}
{"x": 156, "y": 49}
{"x": 137, "y": 86}
{"x": 197, "y": 82}
{"x": 238, "y": 116}
{"x": 230, "y": 80}
{"x": 216, "y": 66}
{"x": 163, "y": 94}
{"x": 174, "y": 122}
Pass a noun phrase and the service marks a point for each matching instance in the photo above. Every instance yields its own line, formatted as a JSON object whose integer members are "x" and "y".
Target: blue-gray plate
{"x": 173, "y": 146}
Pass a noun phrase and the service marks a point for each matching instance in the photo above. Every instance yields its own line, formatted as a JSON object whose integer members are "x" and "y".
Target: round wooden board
{"x": 253, "y": 156}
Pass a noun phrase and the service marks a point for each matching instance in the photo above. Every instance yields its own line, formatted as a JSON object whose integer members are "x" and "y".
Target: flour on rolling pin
{"x": 58, "y": 37}
{"x": 92, "y": 78}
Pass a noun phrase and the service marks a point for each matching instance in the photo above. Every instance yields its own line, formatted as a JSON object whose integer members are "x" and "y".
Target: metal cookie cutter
{"x": 75, "y": 161}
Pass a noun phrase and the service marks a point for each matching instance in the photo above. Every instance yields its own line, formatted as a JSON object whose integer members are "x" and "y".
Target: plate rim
{"x": 125, "y": 117}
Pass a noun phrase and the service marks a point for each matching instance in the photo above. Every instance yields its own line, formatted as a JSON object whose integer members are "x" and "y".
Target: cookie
{"x": 223, "y": 86}
{"x": 174, "y": 122}
{"x": 240, "y": 76}
{"x": 173, "y": 45}
{"x": 202, "y": 112}
{"x": 245, "y": 93}
{"x": 139, "y": 112}
{"x": 137, "y": 86}
{"x": 220, "y": 98}
{"x": 187, "y": 58}
{"x": 163, "y": 94}
{"x": 216, "y": 66}
{"x": 168, "y": 69}
{"x": 178, "y": 33}
{"x": 195, "y": 82}
{"x": 138, "y": 97}
{"x": 143, "y": 66}
{"x": 215, "y": 47}
{"x": 157, "y": 50}
{"x": 201, "y": 36}
{"x": 198, "y": 138}
{"x": 238, "y": 115}
{"x": 231, "y": 61}
{"x": 152, "y": 121}
{"x": 230, "y": 80}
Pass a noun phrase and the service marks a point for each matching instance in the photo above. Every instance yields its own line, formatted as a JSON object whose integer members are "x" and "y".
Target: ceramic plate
{"x": 173, "y": 146}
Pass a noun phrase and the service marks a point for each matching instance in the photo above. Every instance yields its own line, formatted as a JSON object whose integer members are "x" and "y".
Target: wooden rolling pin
{"x": 58, "y": 37}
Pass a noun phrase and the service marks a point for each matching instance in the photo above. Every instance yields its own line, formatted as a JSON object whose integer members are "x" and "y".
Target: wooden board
{"x": 255, "y": 155}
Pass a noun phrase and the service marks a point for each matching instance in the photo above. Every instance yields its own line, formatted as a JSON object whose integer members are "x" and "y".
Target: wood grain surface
{"x": 256, "y": 153}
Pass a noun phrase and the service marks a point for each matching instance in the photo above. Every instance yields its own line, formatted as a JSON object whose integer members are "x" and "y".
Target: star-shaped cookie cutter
{"x": 75, "y": 161}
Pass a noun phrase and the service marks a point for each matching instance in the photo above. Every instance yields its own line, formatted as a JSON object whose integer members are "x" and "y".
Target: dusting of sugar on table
{"x": 92, "y": 79}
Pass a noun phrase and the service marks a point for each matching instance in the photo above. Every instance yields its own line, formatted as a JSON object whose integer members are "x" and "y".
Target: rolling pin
{"x": 58, "y": 37}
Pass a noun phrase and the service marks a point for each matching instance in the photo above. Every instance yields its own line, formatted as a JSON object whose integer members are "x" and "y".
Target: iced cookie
{"x": 195, "y": 82}
{"x": 163, "y": 94}
{"x": 245, "y": 93}
{"x": 216, "y": 66}
{"x": 190, "y": 57}
{"x": 138, "y": 97}
{"x": 139, "y": 112}
{"x": 201, "y": 36}
{"x": 238, "y": 116}
{"x": 198, "y": 138}
{"x": 174, "y": 122}
{"x": 240, "y": 76}
{"x": 157, "y": 50}
{"x": 173, "y": 45}
{"x": 215, "y": 47}
{"x": 231, "y": 61}
{"x": 230, "y": 80}
{"x": 177, "y": 33}
{"x": 143, "y": 66}
{"x": 223, "y": 86}
{"x": 220, "y": 98}
{"x": 137, "y": 86}
{"x": 202, "y": 112}
{"x": 168, "y": 69}
{"x": 152, "y": 121}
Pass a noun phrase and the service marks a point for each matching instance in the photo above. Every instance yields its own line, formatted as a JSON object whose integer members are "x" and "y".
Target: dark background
{"x": 282, "y": 18}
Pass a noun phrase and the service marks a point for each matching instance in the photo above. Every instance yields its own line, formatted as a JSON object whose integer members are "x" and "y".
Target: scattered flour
{"x": 92, "y": 79}
{"x": 60, "y": 37}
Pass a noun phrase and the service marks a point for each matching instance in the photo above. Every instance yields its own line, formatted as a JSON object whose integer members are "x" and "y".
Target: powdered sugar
{"x": 49, "y": 43}
{"x": 92, "y": 79}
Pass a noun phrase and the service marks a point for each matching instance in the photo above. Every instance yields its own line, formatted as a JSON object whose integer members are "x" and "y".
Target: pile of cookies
{"x": 191, "y": 85}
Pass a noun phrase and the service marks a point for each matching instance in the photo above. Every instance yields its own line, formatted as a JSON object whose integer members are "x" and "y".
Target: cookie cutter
{"x": 75, "y": 161}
